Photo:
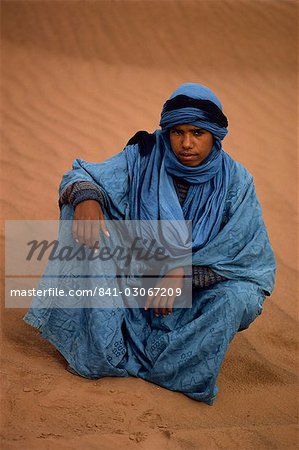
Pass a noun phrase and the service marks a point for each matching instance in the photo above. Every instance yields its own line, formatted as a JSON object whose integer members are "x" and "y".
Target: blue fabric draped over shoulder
{"x": 183, "y": 351}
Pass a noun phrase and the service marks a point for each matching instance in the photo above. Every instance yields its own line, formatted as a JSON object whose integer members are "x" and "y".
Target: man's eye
{"x": 198, "y": 133}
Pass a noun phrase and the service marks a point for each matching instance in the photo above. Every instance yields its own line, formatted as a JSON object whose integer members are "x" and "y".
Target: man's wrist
{"x": 86, "y": 194}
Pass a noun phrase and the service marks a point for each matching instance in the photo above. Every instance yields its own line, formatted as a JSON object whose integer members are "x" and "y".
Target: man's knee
{"x": 253, "y": 305}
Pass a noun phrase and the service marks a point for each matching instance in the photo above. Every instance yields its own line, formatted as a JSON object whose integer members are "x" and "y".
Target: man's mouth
{"x": 187, "y": 155}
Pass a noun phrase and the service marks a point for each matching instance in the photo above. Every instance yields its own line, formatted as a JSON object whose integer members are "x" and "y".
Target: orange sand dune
{"x": 78, "y": 79}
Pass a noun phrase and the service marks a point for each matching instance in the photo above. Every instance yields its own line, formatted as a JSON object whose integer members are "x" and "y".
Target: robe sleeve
{"x": 110, "y": 178}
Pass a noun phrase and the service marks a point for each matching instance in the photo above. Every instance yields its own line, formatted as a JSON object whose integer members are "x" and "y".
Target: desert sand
{"x": 79, "y": 78}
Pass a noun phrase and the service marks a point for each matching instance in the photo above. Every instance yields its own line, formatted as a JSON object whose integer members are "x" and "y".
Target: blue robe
{"x": 182, "y": 351}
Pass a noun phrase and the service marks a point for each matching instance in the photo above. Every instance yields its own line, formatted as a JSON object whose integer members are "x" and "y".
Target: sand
{"x": 79, "y": 78}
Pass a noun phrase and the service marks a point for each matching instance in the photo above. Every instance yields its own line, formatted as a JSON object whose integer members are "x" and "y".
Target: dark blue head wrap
{"x": 195, "y": 105}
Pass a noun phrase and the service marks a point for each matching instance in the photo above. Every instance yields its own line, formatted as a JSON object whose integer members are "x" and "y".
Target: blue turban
{"x": 196, "y": 105}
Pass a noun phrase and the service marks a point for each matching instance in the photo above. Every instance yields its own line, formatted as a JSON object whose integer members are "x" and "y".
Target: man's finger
{"x": 80, "y": 231}
{"x": 169, "y": 305}
{"x": 163, "y": 304}
{"x": 95, "y": 234}
{"x": 148, "y": 301}
{"x": 75, "y": 230}
{"x": 87, "y": 233}
{"x": 104, "y": 229}
{"x": 156, "y": 304}
{"x": 103, "y": 223}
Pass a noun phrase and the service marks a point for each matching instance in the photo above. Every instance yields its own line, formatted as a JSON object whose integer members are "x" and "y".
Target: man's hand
{"x": 86, "y": 223}
{"x": 163, "y": 304}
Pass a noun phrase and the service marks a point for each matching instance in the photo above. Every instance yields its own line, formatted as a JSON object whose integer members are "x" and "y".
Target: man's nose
{"x": 187, "y": 142}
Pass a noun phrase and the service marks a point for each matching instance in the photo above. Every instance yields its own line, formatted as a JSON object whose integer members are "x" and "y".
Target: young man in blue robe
{"x": 177, "y": 173}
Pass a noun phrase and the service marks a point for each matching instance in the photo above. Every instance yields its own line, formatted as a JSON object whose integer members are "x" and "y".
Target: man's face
{"x": 190, "y": 144}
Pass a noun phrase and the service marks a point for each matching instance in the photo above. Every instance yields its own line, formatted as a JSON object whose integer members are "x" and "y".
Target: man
{"x": 178, "y": 173}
